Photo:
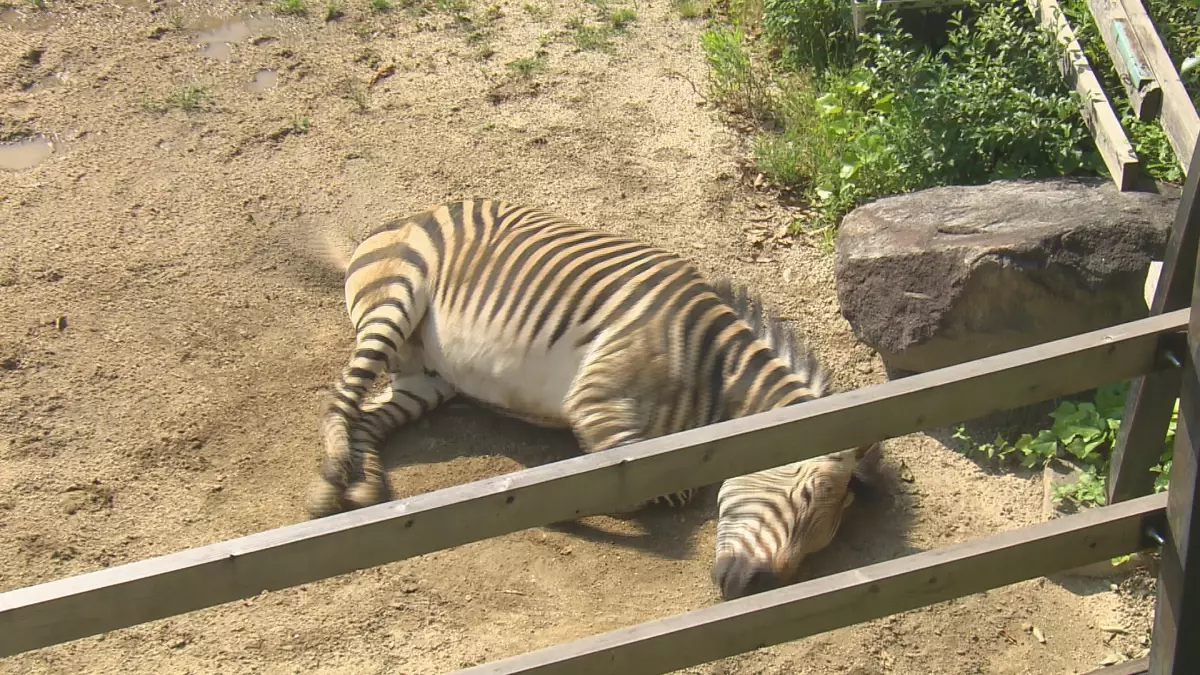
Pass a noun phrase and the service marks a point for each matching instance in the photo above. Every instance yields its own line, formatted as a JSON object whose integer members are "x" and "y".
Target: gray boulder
{"x": 945, "y": 275}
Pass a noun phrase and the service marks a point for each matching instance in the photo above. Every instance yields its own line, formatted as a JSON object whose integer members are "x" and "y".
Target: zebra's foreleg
{"x": 358, "y": 479}
{"x": 605, "y": 412}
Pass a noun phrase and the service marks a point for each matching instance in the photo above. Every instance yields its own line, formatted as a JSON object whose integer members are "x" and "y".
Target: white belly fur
{"x": 524, "y": 383}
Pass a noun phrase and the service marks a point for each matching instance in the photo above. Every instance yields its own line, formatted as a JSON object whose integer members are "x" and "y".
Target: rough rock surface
{"x": 946, "y": 275}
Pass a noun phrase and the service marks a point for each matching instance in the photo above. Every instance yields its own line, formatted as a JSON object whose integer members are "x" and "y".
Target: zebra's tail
{"x": 329, "y": 249}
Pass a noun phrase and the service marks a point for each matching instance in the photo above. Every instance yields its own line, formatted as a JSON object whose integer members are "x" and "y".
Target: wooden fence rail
{"x": 92, "y": 603}
{"x": 1151, "y": 398}
{"x": 1175, "y": 649}
{"x": 851, "y": 597}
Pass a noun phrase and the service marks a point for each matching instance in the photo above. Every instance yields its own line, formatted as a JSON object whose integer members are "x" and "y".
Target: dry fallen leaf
{"x": 383, "y": 73}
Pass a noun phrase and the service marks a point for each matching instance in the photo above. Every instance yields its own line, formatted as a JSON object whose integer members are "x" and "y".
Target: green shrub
{"x": 853, "y": 141}
{"x": 734, "y": 79}
{"x": 1152, "y": 148}
{"x": 810, "y": 33}
{"x": 293, "y": 7}
{"x": 621, "y": 17}
{"x": 990, "y": 104}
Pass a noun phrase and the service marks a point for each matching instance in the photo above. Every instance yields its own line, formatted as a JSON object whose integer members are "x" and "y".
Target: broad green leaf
{"x": 827, "y": 104}
{"x": 1043, "y": 448}
{"x": 1076, "y": 448}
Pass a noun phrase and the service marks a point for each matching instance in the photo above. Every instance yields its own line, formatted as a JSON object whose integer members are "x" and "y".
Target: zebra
{"x": 560, "y": 325}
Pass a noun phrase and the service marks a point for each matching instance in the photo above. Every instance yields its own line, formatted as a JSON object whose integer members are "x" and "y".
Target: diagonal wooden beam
{"x": 1145, "y": 94}
{"x": 1151, "y": 398}
{"x": 1179, "y": 118}
{"x": 1175, "y": 647}
{"x": 1116, "y": 150}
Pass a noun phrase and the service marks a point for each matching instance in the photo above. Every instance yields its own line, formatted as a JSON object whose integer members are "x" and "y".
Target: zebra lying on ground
{"x": 565, "y": 326}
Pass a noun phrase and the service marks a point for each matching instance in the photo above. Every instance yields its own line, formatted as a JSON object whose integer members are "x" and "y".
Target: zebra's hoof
{"x": 324, "y": 499}
{"x": 674, "y": 500}
{"x": 367, "y": 493}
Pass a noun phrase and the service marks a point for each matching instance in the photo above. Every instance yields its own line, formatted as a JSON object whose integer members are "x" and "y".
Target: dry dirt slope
{"x": 174, "y": 405}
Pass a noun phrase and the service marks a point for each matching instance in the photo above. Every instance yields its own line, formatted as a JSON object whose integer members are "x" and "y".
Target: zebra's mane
{"x": 774, "y": 331}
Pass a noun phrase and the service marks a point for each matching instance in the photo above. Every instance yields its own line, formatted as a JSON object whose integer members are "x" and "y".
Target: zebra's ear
{"x": 866, "y": 481}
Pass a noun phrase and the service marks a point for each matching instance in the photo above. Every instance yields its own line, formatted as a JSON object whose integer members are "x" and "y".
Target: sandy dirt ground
{"x": 163, "y": 345}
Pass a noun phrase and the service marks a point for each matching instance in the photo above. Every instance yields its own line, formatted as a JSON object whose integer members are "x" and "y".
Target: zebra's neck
{"x": 757, "y": 379}
{"x": 771, "y": 368}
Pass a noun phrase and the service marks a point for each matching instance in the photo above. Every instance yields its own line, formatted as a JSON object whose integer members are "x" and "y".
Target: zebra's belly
{"x": 529, "y": 384}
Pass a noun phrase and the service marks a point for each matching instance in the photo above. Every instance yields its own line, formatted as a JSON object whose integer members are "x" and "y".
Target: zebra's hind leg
{"x": 358, "y": 479}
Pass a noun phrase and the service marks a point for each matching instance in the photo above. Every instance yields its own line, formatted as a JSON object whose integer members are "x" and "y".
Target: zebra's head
{"x": 770, "y": 521}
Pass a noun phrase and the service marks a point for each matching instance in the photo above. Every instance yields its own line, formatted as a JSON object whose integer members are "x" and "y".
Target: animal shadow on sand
{"x": 461, "y": 442}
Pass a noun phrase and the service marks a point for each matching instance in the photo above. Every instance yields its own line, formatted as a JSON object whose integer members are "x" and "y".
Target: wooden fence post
{"x": 1151, "y": 398}
{"x": 1175, "y": 644}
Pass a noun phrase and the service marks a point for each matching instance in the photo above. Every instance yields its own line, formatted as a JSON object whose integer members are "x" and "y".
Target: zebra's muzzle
{"x": 738, "y": 577}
